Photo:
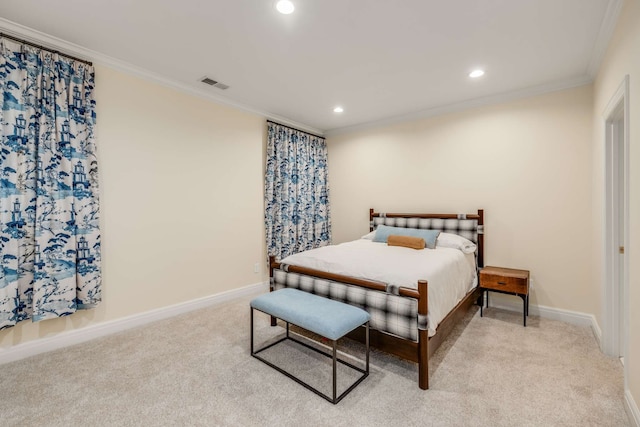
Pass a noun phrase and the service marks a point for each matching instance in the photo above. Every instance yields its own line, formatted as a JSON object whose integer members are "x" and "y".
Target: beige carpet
{"x": 195, "y": 370}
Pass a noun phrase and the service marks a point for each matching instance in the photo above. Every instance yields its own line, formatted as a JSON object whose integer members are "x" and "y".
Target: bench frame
{"x": 334, "y": 399}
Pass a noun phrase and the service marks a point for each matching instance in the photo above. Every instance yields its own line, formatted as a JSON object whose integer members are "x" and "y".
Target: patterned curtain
{"x": 296, "y": 192}
{"x": 49, "y": 232}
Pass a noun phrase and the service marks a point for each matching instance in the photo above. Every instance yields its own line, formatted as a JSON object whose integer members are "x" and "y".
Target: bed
{"x": 407, "y": 319}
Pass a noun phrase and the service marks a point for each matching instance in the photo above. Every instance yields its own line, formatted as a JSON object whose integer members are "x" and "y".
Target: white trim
{"x": 597, "y": 332}
{"x": 632, "y": 409}
{"x": 607, "y": 27}
{"x": 610, "y": 291}
{"x": 469, "y": 104}
{"x": 567, "y": 316}
{"x": 65, "y": 339}
{"x": 43, "y": 39}
{"x": 622, "y": 92}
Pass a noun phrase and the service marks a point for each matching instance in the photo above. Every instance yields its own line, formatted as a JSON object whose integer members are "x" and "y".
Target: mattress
{"x": 450, "y": 273}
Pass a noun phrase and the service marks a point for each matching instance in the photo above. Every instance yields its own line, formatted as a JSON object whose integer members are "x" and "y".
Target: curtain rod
{"x": 299, "y": 130}
{"x": 16, "y": 39}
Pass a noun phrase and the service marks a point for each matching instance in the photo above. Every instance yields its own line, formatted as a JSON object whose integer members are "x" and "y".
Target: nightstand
{"x": 506, "y": 281}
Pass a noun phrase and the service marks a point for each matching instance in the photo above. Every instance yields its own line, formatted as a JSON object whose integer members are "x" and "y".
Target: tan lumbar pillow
{"x": 406, "y": 241}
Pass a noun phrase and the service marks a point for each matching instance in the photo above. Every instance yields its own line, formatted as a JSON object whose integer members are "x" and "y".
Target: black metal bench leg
{"x": 367, "y": 343}
{"x": 251, "y": 308}
{"x": 335, "y": 367}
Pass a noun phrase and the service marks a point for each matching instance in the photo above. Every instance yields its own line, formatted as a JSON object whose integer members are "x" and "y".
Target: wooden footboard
{"x": 415, "y": 351}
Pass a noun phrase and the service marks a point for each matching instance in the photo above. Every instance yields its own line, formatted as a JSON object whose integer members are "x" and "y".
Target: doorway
{"x": 616, "y": 285}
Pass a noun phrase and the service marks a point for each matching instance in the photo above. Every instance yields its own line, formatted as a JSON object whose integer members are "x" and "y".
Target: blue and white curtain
{"x": 296, "y": 192}
{"x": 49, "y": 232}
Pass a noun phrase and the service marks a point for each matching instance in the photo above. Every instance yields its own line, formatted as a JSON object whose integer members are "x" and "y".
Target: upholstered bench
{"x": 327, "y": 318}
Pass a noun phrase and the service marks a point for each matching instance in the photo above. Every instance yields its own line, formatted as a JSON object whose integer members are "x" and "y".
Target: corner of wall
{"x": 597, "y": 332}
{"x": 567, "y": 316}
{"x": 632, "y": 409}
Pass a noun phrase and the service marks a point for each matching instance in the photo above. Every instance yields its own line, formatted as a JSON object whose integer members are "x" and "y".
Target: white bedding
{"x": 449, "y": 272}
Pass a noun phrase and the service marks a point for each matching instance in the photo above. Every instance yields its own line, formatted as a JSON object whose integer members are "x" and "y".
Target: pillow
{"x": 384, "y": 231}
{"x": 455, "y": 241}
{"x": 406, "y": 241}
{"x": 369, "y": 236}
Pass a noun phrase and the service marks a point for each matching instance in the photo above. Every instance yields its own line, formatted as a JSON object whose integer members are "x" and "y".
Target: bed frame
{"x": 416, "y": 351}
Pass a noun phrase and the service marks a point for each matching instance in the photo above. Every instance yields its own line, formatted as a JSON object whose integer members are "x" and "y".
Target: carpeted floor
{"x": 196, "y": 370}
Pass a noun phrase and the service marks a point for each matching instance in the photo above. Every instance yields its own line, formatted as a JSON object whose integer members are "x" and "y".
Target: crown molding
{"x": 605, "y": 33}
{"x": 20, "y": 31}
{"x": 467, "y": 105}
{"x": 54, "y": 43}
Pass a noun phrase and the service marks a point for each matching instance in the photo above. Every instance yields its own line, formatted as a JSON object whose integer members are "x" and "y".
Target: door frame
{"x": 614, "y": 335}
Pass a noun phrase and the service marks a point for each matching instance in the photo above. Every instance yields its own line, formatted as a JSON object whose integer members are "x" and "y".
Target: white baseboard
{"x": 632, "y": 409}
{"x": 568, "y": 316}
{"x": 65, "y": 339}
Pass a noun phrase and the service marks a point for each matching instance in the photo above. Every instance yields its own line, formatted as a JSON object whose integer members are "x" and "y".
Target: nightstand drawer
{"x": 516, "y": 285}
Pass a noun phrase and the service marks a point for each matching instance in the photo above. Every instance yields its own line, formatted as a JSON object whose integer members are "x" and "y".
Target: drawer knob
{"x": 502, "y": 283}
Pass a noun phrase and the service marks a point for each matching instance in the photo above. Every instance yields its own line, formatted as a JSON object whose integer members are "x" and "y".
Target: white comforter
{"x": 449, "y": 272}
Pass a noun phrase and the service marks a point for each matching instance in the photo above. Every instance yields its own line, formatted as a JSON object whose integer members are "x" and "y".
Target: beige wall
{"x": 181, "y": 198}
{"x": 181, "y": 190}
{"x": 527, "y": 163}
{"x": 622, "y": 58}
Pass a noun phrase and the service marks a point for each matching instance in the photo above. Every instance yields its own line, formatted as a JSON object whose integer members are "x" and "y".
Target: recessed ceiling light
{"x": 476, "y": 73}
{"x": 285, "y": 7}
{"x": 338, "y": 110}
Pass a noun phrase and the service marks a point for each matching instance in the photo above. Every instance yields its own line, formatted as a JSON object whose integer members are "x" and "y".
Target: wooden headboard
{"x": 470, "y": 226}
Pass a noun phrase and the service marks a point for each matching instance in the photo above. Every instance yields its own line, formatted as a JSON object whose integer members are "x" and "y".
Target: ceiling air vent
{"x": 214, "y": 83}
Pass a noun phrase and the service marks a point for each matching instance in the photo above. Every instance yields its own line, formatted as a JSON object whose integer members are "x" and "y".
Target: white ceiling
{"x": 381, "y": 60}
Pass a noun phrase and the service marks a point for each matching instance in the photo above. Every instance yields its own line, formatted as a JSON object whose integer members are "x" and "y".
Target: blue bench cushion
{"x": 325, "y": 317}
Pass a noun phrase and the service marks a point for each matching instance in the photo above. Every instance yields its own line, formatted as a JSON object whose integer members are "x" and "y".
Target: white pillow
{"x": 369, "y": 236}
{"x": 449, "y": 240}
